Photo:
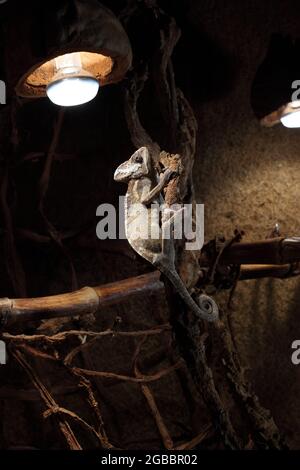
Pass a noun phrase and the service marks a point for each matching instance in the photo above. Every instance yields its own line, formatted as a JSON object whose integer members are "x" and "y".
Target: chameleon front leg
{"x": 155, "y": 192}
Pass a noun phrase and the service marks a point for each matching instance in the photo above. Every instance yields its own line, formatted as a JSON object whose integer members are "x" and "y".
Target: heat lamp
{"x": 276, "y": 86}
{"x": 71, "y": 85}
{"x": 68, "y": 49}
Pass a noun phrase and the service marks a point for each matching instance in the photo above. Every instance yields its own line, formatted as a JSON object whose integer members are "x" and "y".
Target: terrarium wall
{"x": 248, "y": 178}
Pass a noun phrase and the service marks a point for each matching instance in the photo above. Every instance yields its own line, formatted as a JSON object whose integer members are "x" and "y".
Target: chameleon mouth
{"x": 120, "y": 174}
{"x": 124, "y": 173}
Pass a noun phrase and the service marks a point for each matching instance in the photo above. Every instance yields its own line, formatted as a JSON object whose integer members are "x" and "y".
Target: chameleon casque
{"x": 145, "y": 186}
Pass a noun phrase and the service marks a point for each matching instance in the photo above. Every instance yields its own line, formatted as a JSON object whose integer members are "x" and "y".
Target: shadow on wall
{"x": 247, "y": 177}
{"x": 212, "y": 70}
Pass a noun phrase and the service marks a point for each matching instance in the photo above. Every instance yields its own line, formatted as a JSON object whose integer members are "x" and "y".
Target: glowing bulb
{"x": 291, "y": 120}
{"x": 295, "y": 104}
{"x": 71, "y": 85}
{"x": 72, "y": 91}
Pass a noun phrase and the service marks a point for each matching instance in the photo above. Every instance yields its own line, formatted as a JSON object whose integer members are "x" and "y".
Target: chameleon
{"x": 150, "y": 232}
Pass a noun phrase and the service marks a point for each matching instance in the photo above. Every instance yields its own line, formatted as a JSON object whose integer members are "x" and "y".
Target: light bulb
{"x": 295, "y": 104}
{"x": 291, "y": 120}
{"x": 71, "y": 85}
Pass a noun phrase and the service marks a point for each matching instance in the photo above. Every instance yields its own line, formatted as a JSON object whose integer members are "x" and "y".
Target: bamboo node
{"x": 5, "y": 311}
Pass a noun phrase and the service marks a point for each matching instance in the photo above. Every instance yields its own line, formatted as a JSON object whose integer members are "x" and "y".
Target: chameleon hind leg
{"x": 208, "y": 307}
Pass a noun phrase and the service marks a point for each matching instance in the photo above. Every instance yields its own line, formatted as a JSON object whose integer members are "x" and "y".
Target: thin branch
{"x": 146, "y": 390}
{"x": 87, "y": 386}
{"x": 62, "y": 336}
{"x": 205, "y": 381}
{"x": 55, "y": 409}
{"x": 265, "y": 432}
{"x": 138, "y": 134}
{"x": 193, "y": 443}
{"x": 69, "y": 358}
{"x": 48, "y": 400}
{"x": 126, "y": 378}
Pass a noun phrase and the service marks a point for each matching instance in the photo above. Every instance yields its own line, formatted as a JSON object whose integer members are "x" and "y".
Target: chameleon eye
{"x": 138, "y": 159}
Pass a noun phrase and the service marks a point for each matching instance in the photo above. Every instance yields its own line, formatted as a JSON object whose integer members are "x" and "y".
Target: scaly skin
{"x": 144, "y": 189}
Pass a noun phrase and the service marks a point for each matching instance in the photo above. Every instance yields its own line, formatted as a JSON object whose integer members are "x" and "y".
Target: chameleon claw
{"x": 168, "y": 174}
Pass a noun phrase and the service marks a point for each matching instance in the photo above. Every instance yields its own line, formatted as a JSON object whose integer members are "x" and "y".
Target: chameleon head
{"x": 136, "y": 167}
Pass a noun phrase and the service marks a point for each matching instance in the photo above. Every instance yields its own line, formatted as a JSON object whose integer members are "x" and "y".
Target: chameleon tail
{"x": 206, "y": 308}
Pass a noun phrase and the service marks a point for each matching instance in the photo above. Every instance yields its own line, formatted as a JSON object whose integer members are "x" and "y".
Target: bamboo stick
{"x": 270, "y": 251}
{"x": 82, "y": 302}
{"x": 257, "y": 271}
{"x": 276, "y": 257}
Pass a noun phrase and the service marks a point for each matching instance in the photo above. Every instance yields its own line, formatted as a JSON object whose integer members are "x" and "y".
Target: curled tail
{"x": 206, "y": 308}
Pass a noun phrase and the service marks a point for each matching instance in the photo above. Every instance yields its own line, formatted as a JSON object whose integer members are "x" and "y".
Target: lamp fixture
{"x": 291, "y": 116}
{"x": 275, "y": 89}
{"x": 71, "y": 85}
{"x": 82, "y": 45}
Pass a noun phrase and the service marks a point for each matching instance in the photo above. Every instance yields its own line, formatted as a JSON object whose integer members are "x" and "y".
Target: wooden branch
{"x": 94, "y": 404}
{"x": 63, "y": 335}
{"x": 82, "y": 302}
{"x": 150, "y": 399}
{"x": 275, "y": 257}
{"x": 265, "y": 432}
{"x": 92, "y": 299}
{"x": 49, "y": 401}
{"x": 96, "y": 335}
{"x": 193, "y": 443}
{"x": 257, "y": 271}
{"x": 59, "y": 413}
{"x": 271, "y": 251}
{"x": 127, "y": 378}
{"x": 204, "y": 378}
{"x": 138, "y": 134}
{"x": 163, "y": 79}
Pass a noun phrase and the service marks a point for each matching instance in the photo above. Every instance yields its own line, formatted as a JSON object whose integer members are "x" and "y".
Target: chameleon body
{"x": 148, "y": 232}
